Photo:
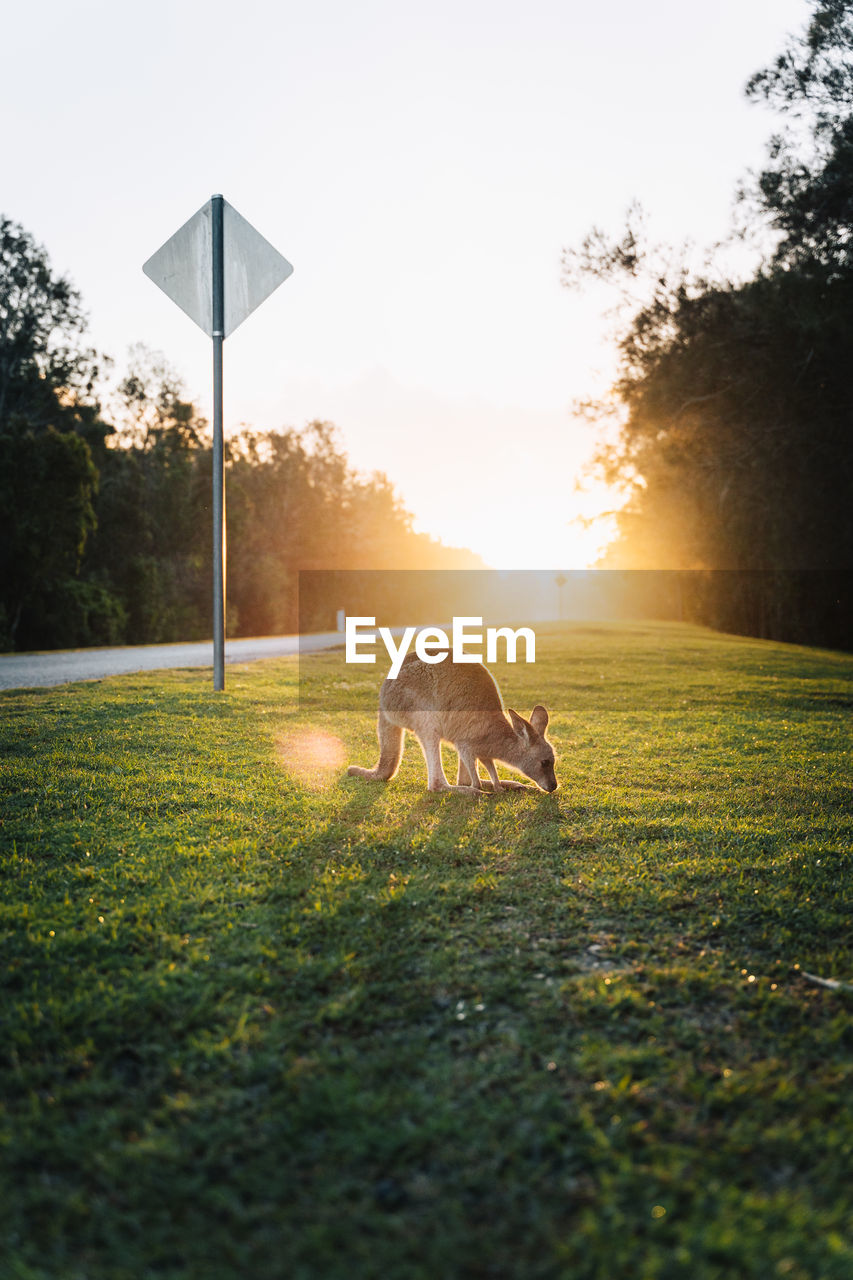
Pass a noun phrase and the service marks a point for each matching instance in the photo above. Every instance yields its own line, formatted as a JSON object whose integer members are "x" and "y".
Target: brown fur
{"x": 461, "y": 704}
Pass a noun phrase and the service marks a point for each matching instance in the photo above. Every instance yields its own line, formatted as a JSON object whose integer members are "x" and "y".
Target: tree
{"x": 49, "y": 418}
{"x": 151, "y": 549}
{"x": 737, "y": 407}
{"x": 806, "y": 190}
{"x": 295, "y": 503}
{"x": 47, "y": 376}
{"x": 47, "y": 486}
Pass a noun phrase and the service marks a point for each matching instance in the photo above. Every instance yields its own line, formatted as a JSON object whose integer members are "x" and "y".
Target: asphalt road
{"x": 65, "y": 666}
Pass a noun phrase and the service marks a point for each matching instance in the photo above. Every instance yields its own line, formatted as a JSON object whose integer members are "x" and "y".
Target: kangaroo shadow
{"x": 442, "y": 819}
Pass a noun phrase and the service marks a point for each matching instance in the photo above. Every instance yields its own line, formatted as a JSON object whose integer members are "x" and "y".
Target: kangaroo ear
{"x": 522, "y": 728}
{"x": 539, "y": 719}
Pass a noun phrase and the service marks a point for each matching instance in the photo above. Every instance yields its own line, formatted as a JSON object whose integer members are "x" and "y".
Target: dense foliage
{"x": 107, "y": 513}
{"x": 736, "y": 399}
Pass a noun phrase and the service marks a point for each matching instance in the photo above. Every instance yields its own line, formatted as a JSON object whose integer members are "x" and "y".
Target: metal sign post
{"x": 218, "y": 269}
{"x": 218, "y": 335}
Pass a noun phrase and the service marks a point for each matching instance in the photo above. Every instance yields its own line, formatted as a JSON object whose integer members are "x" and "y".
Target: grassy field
{"x": 264, "y": 1020}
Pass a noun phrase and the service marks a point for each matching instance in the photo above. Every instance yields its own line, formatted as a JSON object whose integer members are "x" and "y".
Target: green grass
{"x": 264, "y": 1020}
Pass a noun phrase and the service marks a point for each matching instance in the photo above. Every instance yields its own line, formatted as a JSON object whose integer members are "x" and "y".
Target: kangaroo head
{"x": 534, "y": 755}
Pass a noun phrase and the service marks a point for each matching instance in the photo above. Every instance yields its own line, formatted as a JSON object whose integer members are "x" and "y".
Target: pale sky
{"x": 421, "y": 165}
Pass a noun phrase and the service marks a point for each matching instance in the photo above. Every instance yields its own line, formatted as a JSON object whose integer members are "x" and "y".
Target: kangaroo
{"x": 460, "y": 704}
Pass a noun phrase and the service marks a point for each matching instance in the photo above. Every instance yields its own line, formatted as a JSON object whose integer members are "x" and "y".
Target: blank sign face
{"x": 183, "y": 268}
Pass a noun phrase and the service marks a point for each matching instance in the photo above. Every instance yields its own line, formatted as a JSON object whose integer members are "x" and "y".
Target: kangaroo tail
{"x": 390, "y": 752}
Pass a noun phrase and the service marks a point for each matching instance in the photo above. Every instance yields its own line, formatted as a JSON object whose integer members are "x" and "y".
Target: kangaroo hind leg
{"x": 390, "y": 752}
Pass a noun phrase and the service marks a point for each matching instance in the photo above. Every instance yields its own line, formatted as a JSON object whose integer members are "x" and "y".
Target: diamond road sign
{"x": 217, "y": 268}
{"x": 183, "y": 268}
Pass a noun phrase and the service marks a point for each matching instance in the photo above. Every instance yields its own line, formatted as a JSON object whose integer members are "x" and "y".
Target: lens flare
{"x": 310, "y": 757}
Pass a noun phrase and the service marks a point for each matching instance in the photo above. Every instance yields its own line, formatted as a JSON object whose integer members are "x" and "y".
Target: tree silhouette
{"x": 736, "y": 401}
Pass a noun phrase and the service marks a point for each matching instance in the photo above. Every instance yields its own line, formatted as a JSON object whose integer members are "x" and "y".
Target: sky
{"x": 422, "y": 166}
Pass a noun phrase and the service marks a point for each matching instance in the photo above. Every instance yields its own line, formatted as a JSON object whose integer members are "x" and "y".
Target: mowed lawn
{"x": 260, "y": 1019}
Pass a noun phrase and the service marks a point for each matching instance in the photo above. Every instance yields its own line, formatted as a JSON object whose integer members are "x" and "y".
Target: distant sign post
{"x": 218, "y": 269}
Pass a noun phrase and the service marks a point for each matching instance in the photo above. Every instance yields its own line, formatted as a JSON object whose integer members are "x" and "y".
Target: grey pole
{"x": 218, "y": 447}
{"x": 175, "y": 269}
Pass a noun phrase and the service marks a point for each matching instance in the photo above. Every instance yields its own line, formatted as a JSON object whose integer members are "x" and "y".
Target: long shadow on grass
{"x": 437, "y": 823}
{"x": 364, "y": 1051}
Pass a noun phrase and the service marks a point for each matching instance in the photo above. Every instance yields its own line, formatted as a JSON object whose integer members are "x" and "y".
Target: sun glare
{"x": 567, "y": 533}
{"x": 311, "y": 757}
